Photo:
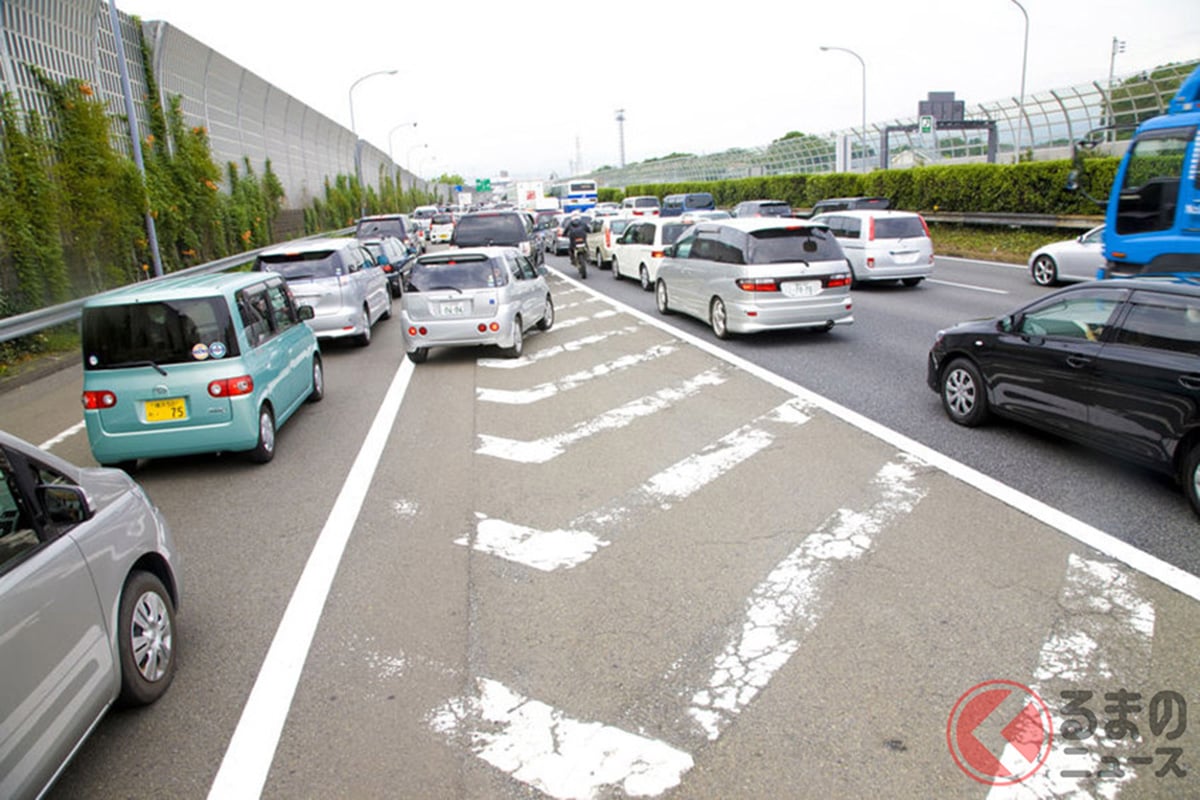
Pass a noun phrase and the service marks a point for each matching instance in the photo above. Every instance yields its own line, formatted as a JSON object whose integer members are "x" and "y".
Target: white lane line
{"x": 1089, "y": 535}
{"x": 62, "y": 437}
{"x": 573, "y": 321}
{"x": 539, "y": 451}
{"x": 565, "y": 548}
{"x": 790, "y": 601}
{"x": 562, "y": 757}
{"x": 552, "y": 352}
{"x": 247, "y": 760}
{"x": 537, "y": 393}
{"x": 1102, "y": 644}
{"x": 968, "y": 286}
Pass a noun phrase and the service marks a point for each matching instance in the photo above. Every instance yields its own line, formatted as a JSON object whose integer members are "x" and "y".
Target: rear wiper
{"x": 138, "y": 364}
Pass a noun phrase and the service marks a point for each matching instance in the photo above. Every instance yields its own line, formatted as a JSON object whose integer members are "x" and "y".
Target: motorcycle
{"x": 579, "y": 257}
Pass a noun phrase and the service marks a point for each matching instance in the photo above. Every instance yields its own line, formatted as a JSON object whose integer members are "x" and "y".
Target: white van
{"x": 644, "y": 205}
{"x": 883, "y": 245}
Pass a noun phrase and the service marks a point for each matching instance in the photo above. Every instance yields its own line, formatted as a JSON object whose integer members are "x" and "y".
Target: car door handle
{"x": 1190, "y": 381}
{"x": 1078, "y": 362}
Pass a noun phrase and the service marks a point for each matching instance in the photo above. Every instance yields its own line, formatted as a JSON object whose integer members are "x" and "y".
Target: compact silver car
{"x": 1078, "y": 259}
{"x": 883, "y": 245}
{"x": 88, "y": 593}
{"x": 757, "y": 274}
{"x": 477, "y": 296}
{"x": 339, "y": 278}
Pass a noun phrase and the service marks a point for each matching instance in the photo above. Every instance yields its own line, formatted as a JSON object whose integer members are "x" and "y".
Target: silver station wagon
{"x": 757, "y": 274}
{"x": 480, "y": 296}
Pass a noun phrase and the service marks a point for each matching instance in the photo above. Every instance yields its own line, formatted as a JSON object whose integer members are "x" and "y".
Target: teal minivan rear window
{"x": 167, "y": 332}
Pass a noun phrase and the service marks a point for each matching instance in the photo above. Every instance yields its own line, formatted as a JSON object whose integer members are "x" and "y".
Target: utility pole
{"x": 621, "y": 131}
{"x": 1118, "y": 46}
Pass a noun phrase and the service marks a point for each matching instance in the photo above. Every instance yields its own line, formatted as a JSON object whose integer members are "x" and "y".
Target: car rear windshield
{"x": 775, "y": 210}
{"x": 442, "y": 219}
{"x": 645, "y": 202}
{"x": 166, "y": 332}
{"x": 375, "y": 228}
{"x": 780, "y": 245}
{"x": 302, "y": 266}
{"x": 489, "y": 229}
{"x": 898, "y": 228}
{"x": 471, "y": 272}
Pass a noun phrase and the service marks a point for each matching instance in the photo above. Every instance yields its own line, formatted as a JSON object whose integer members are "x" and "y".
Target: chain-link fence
{"x": 1050, "y": 121}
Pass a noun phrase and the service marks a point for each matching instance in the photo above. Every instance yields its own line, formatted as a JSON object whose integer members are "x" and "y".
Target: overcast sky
{"x": 524, "y": 86}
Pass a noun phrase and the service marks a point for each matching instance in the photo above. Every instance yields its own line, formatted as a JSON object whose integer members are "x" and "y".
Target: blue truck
{"x": 1152, "y": 222}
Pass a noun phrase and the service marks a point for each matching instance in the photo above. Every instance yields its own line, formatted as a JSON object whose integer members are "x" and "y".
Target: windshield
{"x": 302, "y": 266}
{"x": 166, "y": 333}
{"x": 489, "y": 229}
{"x": 475, "y": 272}
{"x": 780, "y": 245}
{"x": 375, "y": 228}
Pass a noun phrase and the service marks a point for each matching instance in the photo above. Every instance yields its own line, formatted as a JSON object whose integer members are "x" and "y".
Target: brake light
{"x": 657, "y": 253}
{"x": 757, "y": 285}
{"x": 608, "y": 238}
{"x": 413, "y": 330}
{"x": 870, "y": 229}
{"x": 231, "y": 387}
{"x": 926, "y": 227}
{"x": 870, "y": 262}
{"x": 836, "y": 281}
{"x": 94, "y": 401}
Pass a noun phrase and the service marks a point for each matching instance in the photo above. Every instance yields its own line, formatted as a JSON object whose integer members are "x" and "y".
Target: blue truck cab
{"x": 1153, "y": 214}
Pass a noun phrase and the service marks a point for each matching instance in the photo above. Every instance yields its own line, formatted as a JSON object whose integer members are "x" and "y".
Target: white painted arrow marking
{"x": 551, "y": 352}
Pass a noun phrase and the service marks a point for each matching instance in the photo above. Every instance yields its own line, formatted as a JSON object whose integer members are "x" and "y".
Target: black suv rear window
{"x": 302, "y": 266}
{"x": 375, "y": 228}
{"x": 480, "y": 230}
{"x": 898, "y": 228}
{"x": 473, "y": 272}
{"x": 800, "y": 243}
{"x": 162, "y": 333}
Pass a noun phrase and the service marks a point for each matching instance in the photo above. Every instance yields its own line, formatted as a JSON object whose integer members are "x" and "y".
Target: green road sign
{"x": 926, "y": 124}
{"x": 483, "y": 184}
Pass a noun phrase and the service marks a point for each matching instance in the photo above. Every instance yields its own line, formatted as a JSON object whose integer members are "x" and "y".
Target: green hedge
{"x": 1025, "y": 188}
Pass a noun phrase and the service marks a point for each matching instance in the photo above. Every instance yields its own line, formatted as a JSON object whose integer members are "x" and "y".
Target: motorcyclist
{"x": 575, "y": 231}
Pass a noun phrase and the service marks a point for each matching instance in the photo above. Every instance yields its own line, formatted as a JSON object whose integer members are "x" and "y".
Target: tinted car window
{"x": 898, "y": 227}
{"x": 645, "y": 202}
{"x": 303, "y": 266}
{"x": 375, "y": 228}
{"x": 1075, "y": 317}
{"x": 723, "y": 246}
{"x": 164, "y": 332}
{"x": 442, "y": 219}
{"x": 476, "y": 273}
{"x": 489, "y": 229}
{"x": 775, "y": 210}
{"x": 670, "y": 233}
{"x": 1162, "y": 322}
{"x": 777, "y": 245}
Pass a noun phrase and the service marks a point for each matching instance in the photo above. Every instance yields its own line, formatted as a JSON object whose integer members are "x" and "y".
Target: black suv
{"x": 382, "y": 225}
{"x": 499, "y": 229}
{"x": 1111, "y": 364}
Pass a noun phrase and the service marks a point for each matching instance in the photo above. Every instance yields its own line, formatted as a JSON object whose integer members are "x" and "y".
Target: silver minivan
{"x": 883, "y": 245}
{"x": 339, "y": 278}
{"x": 472, "y": 297}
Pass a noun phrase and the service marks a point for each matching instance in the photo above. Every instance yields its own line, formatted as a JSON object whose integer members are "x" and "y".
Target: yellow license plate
{"x": 166, "y": 410}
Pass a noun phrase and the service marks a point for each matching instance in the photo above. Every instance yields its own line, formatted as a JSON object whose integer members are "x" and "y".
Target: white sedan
{"x": 1077, "y": 259}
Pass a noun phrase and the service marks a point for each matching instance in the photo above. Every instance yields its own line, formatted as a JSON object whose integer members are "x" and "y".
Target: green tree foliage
{"x": 33, "y": 270}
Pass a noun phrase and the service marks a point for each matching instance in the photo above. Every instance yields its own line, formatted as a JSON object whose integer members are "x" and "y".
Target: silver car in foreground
{"x": 477, "y": 296}
{"x": 1078, "y": 259}
{"x": 756, "y": 274}
{"x": 88, "y": 592}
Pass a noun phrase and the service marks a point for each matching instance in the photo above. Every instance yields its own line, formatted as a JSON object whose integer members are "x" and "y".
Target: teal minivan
{"x": 199, "y": 364}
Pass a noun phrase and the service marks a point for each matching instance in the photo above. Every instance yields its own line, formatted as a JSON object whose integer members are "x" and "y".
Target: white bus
{"x": 576, "y": 195}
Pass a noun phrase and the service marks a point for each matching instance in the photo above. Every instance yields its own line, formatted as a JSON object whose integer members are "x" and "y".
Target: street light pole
{"x": 1024, "y": 61}
{"x": 1118, "y": 46}
{"x": 408, "y": 159}
{"x": 391, "y": 133}
{"x": 863, "y": 64}
{"x": 357, "y": 144}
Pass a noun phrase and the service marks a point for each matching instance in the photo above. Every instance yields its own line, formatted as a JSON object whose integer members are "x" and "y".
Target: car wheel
{"x": 1190, "y": 478}
{"x": 364, "y": 338}
{"x": 318, "y": 381}
{"x": 911, "y": 281}
{"x": 518, "y": 342}
{"x": 660, "y": 296}
{"x": 264, "y": 451}
{"x": 419, "y": 355}
{"x": 616, "y": 269}
{"x": 547, "y": 320}
{"x": 644, "y": 277}
{"x": 1044, "y": 271}
{"x": 145, "y": 631}
{"x": 718, "y": 319}
{"x": 387, "y": 309}
{"x": 963, "y": 394}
